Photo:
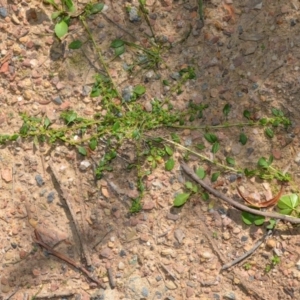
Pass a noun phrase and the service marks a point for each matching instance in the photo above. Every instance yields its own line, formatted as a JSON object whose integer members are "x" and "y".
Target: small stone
{"x": 145, "y": 292}
{"x": 6, "y": 175}
{"x": 276, "y": 153}
{"x": 3, "y": 12}
{"x": 121, "y": 265}
{"x": 214, "y": 93}
{"x": 22, "y": 254}
{"x": 122, "y": 253}
{"x": 171, "y": 285}
{"x": 206, "y": 255}
{"x": 57, "y": 100}
{"x": 148, "y": 106}
{"x": 172, "y": 217}
{"x": 39, "y": 180}
{"x": 175, "y": 76}
{"x": 236, "y": 230}
{"x": 50, "y": 197}
{"x": 133, "y": 15}
{"x": 229, "y": 296}
{"x": 189, "y": 292}
{"x": 84, "y": 165}
{"x": 271, "y": 243}
{"x": 148, "y": 205}
{"x": 106, "y": 253}
{"x": 226, "y": 235}
{"x": 179, "y": 235}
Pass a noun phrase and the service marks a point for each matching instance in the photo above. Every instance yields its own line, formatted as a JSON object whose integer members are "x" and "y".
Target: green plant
{"x": 275, "y": 260}
{"x": 247, "y": 266}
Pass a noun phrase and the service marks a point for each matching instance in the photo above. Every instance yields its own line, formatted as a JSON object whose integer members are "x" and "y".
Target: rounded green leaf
{"x": 215, "y": 148}
{"x": 262, "y": 163}
{"x": 97, "y": 8}
{"x": 180, "y": 199}
{"x": 243, "y": 139}
{"x": 226, "y": 109}
{"x": 288, "y": 203}
{"x": 169, "y": 150}
{"x": 170, "y": 164}
{"x": 75, "y": 45}
{"x": 117, "y": 43}
{"x": 93, "y": 144}
{"x": 249, "y": 218}
{"x": 139, "y": 90}
{"x": 210, "y": 137}
{"x": 230, "y": 161}
{"x": 61, "y": 29}
{"x": 269, "y": 132}
{"x": 119, "y": 51}
{"x": 215, "y": 176}
{"x": 82, "y": 151}
{"x": 201, "y": 173}
{"x": 247, "y": 114}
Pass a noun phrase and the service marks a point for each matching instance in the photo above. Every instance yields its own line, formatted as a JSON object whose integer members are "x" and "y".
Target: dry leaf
{"x": 265, "y": 204}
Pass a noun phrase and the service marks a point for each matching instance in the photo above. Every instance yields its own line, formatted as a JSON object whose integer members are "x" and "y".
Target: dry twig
{"x": 66, "y": 259}
{"x": 237, "y": 205}
{"x": 66, "y": 196}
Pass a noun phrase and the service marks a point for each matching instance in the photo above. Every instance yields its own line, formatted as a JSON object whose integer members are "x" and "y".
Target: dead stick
{"x": 73, "y": 215}
{"x": 111, "y": 278}
{"x": 66, "y": 259}
{"x": 54, "y": 295}
{"x": 237, "y": 205}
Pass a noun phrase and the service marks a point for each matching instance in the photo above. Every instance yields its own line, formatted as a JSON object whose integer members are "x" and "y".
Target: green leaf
{"x": 288, "y": 203}
{"x": 215, "y": 148}
{"x": 250, "y": 173}
{"x": 270, "y": 160}
{"x": 243, "y": 139}
{"x": 272, "y": 224}
{"x": 116, "y": 126}
{"x": 226, "y": 109}
{"x": 97, "y": 7}
{"x": 210, "y": 137}
{"x": 75, "y": 45}
{"x": 230, "y": 161}
{"x": 70, "y": 5}
{"x": 247, "y": 114}
{"x": 189, "y": 185}
{"x": 201, "y": 173}
{"x": 82, "y": 151}
{"x": 269, "y": 132}
{"x": 263, "y": 121}
{"x": 175, "y": 137}
{"x": 139, "y": 90}
{"x": 205, "y": 196}
{"x": 56, "y": 14}
{"x": 180, "y": 199}
{"x": 61, "y": 29}
{"x": 117, "y": 43}
{"x": 200, "y": 146}
{"x": 47, "y": 122}
{"x": 249, "y": 218}
{"x": 277, "y": 112}
{"x": 169, "y": 150}
{"x": 263, "y": 163}
{"x": 93, "y": 144}
{"x": 170, "y": 164}
{"x": 215, "y": 176}
{"x": 119, "y": 51}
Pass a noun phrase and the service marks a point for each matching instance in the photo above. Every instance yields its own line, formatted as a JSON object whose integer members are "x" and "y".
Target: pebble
{"x": 3, "y": 12}
{"x": 84, "y": 165}
{"x": 145, "y": 292}
{"x": 106, "y": 253}
{"x": 229, "y": 296}
{"x": 148, "y": 205}
{"x": 206, "y": 255}
{"x": 179, "y": 235}
{"x": 189, "y": 292}
{"x": 50, "y": 197}
{"x": 57, "y": 100}
{"x": 127, "y": 93}
{"x": 121, "y": 266}
{"x": 226, "y": 235}
{"x": 175, "y": 76}
{"x": 122, "y": 253}
{"x": 39, "y": 180}
{"x": 133, "y": 15}
{"x": 171, "y": 285}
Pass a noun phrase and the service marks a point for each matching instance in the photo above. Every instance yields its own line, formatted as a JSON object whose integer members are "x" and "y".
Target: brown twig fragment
{"x": 235, "y": 204}
{"x": 66, "y": 196}
{"x": 112, "y": 282}
{"x": 66, "y": 259}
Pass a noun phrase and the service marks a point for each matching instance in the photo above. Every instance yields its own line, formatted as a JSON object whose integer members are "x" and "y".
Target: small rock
{"x": 148, "y": 106}
{"x": 226, "y": 235}
{"x": 106, "y": 253}
{"x": 133, "y": 15}
{"x": 236, "y": 230}
{"x": 22, "y": 254}
{"x": 179, "y": 235}
{"x": 189, "y": 292}
{"x": 148, "y": 205}
{"x": 121, "y": 265}
{"x": 50, "y": 197}
{"x": 145, "y": 292}
{"x": 127, "y": 93}
{"x": 206, "y": 255}
{"x": 276, "y": 153}
{"x": 175, "y": 76}
{"x": 6, "y": 175}
{"x": 39, "y": 180}
{"x": 84, "y": 165}
{"x": 214, "y": 93}
{"x": 57, "y": 100}
{"x": 3, "y": 12}
{"x": 171, "y": 285}
{"x": 172, "y": 217}
{"x": 122, "y": 253}
{"x": 271, "y": 243}
{"x": 229, "y": 296}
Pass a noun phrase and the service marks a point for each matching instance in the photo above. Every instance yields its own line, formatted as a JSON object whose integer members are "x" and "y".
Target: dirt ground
{"x": 246, "y": 54}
